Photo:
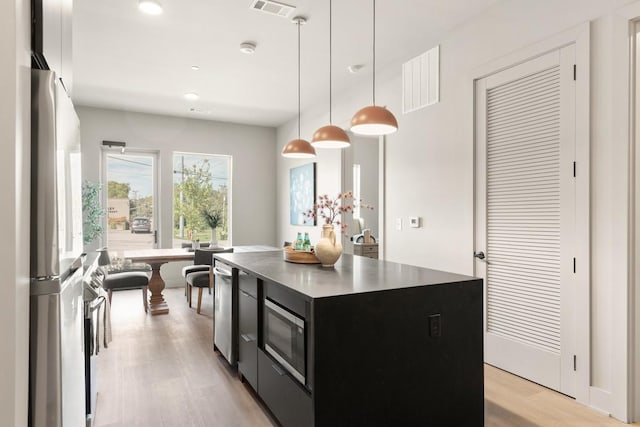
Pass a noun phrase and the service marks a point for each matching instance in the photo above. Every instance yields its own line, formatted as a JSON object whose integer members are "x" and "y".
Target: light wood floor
{"x": 162, "y": 371}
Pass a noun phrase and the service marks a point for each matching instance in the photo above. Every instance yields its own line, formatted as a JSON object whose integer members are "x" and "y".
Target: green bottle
{"x": 307, "y": 243}
{"x": 299, "y": 242}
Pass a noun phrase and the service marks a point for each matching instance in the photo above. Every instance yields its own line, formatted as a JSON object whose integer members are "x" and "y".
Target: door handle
{"x": 247, "y": 338}
{"x": 279, "y": 371}
{"x": 481, "y": 256}
{"x": 220, "y": 273}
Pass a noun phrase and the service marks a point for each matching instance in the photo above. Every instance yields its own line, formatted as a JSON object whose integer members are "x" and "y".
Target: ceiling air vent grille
{"x": 421, "y": 81}
{"x": 272, "y": 7}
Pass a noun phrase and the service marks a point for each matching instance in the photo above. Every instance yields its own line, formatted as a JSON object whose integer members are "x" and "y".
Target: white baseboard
{"x": 600, "y": 400}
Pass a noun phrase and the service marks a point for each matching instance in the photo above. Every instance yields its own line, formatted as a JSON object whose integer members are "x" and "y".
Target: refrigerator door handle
{"x": 44, "y": 218}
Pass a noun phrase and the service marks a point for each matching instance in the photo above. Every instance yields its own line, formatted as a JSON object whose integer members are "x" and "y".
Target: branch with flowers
{"x": 331, "y": 209}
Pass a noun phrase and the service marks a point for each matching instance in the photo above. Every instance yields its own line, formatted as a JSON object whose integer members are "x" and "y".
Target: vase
{"x": 328, "y": 249}
{"x": 214, "y": 238}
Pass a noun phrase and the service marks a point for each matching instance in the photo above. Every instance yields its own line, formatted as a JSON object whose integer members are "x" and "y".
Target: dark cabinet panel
{"x": 247, "y": 343}
{"x": 248, "y": 284}
{"x": 286, "y": 298}
{"x": 284, "y": 396}
{"x": 400, "y": 358}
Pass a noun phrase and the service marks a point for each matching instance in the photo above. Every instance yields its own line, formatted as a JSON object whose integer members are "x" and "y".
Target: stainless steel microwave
{"x": 284, "y": 339}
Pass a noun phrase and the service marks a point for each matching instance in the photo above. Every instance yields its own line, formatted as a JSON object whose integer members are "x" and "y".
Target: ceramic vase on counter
{"x": 328, "y": 249}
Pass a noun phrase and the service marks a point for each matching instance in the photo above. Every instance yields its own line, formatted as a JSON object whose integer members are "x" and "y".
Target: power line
{"x": 129, "y": 161}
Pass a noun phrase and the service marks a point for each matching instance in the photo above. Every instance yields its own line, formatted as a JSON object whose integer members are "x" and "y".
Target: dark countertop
{"x": 351, "y": 274}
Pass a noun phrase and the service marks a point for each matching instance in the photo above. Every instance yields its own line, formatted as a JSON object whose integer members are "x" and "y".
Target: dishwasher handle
{"x": 222, "y": 273}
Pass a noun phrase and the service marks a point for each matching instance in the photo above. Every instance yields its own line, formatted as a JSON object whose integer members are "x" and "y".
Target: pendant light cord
{"x": 298, "y": 79}
{"x": 330, "y": 60}
{"x": 374, "y": 52}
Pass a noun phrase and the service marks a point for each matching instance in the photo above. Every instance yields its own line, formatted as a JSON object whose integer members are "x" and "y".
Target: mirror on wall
{"x": 361, "y": 166}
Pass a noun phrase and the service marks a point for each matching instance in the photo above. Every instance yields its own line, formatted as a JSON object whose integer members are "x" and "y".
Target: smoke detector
{"x": 247, "y": 47}
{"x": 272, "y": 7}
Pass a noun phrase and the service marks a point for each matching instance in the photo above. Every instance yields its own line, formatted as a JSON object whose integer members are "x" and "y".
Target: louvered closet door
{"x": 525, "y": 198}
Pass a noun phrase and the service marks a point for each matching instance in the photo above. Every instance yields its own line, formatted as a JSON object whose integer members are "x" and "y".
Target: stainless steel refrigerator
{"x": 56, "y": 354}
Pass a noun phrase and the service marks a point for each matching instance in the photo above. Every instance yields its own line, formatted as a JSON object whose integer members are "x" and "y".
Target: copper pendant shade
{"x": 330, "y": 136}
{"x": 298, "y": 148}
{"x": 374, "y": 120}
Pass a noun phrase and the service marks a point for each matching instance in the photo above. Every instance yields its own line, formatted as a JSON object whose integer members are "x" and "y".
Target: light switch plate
{"x": 414, "y": 222}
{"x": 399, "y": 224}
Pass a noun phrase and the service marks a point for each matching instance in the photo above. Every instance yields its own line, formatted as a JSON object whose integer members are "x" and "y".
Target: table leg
{"x": 157, "y": 304}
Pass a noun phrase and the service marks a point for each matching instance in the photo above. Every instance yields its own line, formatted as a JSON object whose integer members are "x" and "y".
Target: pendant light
{"x": 299, "y": 148}
{"x": 330, "y": 136}
{"x": 374, "y": 120}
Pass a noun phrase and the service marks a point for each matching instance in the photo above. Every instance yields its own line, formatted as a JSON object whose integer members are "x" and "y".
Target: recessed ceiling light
{"x": 354, "y": 68}
{"x": 191, "y": 96}
{"x": 195, "y": 67}
{"x": 247, "y": 47}
{"x": 150, "y": 7}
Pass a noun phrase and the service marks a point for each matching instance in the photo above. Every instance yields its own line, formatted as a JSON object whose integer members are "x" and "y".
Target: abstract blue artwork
{"x": 302, "y": 193}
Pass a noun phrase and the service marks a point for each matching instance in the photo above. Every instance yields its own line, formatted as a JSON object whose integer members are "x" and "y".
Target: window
{"x": 131, "y": 188}
{"x": 356, "y": 191}
{"x": 201, "y": 185}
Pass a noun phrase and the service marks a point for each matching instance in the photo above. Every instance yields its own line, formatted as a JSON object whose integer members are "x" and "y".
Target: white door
{"x": 525, "y": 217}
{"x": 130, "y": 188}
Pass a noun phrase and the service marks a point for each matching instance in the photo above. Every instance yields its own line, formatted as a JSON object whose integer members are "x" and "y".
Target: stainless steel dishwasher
{"x": 226, "y": 303}
{"x": 225, "y": 312}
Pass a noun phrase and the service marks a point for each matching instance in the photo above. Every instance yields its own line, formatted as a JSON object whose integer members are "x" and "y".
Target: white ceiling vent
{"x": 272, "y": 7}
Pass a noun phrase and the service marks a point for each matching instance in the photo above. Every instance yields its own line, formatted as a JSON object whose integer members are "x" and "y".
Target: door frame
{"x": 105, "y": 150}
{"x": 580, "y": 37}
{"x": 626, "y": 288}
{"x": 634, "y": 220}
{"x": 631, "y": 16}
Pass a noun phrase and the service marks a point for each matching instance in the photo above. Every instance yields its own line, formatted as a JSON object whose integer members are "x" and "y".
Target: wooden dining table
{"x": 156, "y": 258}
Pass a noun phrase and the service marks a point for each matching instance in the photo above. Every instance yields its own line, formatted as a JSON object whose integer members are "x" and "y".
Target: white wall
{"x": 15, "y": 87}
{"x": 253, "y": 169}
{"x": 429, "y": 162}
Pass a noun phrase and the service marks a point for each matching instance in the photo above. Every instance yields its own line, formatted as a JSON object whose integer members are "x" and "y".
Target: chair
{"x": 198, "y": 267}
{"x": 133, "y": 276}
{"x": 195, "y": 267}
{"x": 201, "y": 278}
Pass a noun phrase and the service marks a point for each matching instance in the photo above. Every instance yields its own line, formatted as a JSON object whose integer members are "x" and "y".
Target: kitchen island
{"x": 369, "y": 342}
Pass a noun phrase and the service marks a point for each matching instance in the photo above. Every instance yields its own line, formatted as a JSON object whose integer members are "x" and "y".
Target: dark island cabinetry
{"x": 286, "y": 398}
{"x": 377, "y": 358}
{"x": 383, "y": 344}
{"x": 248, "y": 331}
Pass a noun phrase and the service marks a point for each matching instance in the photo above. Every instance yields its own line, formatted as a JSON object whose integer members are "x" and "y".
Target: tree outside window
{"x": 201, "y": 183}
